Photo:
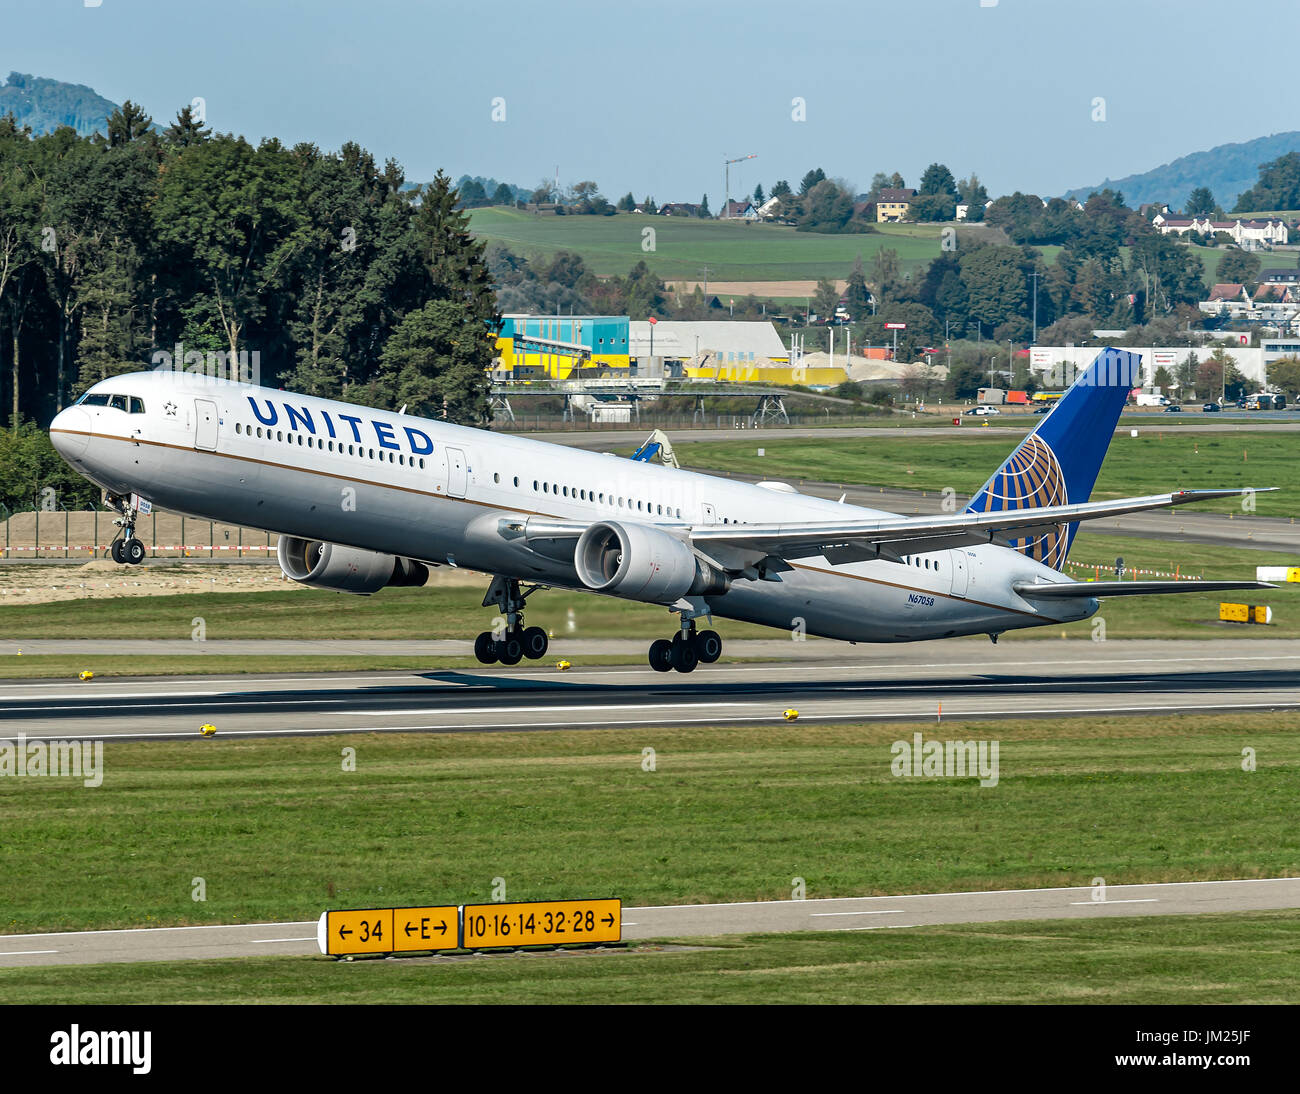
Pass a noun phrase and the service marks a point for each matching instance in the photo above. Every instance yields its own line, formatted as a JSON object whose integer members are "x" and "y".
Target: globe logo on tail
{"x": 1031, "y": 479}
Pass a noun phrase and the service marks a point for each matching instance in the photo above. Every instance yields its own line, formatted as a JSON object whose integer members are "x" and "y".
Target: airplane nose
{"x": 70, "y": 433}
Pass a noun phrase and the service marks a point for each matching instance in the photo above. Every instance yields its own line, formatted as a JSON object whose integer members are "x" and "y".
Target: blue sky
{"x": 652, "y": 97}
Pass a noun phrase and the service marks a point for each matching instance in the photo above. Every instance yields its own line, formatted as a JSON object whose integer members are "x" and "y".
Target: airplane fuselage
{"x": 451, "y": 495}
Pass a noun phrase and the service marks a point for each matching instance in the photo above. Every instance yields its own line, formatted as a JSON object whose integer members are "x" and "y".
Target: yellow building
{"x": 892, "y": 205}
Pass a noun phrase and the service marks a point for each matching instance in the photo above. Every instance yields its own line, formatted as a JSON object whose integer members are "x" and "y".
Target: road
{"x": 697, "y": 920}
{"x": 969, "y": 679}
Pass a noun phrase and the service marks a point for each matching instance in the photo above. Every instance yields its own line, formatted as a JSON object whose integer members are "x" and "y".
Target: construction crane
{"x": 726, "y": 185}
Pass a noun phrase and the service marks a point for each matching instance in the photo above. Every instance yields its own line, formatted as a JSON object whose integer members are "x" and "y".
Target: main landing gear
{"x": 687, "y": 649}
{"x": 128, "y": 549}
{"x": 515, "y": 642}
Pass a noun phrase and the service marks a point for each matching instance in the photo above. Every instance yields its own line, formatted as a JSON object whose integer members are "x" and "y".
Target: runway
{"x": 958, "y": 680}
{"x": 839, "y": 914}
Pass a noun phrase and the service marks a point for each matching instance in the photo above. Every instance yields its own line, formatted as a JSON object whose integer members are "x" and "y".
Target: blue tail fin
{"x": 1057, "y": 464}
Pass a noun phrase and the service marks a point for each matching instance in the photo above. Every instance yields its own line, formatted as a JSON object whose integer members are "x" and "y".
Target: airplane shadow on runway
{"x": 498, "y": 693}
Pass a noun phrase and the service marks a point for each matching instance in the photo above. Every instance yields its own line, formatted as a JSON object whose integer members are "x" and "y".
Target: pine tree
{"x": 185, "y": 130}
{"x": 704, "y": 207}
{"x": 128, "y": 123}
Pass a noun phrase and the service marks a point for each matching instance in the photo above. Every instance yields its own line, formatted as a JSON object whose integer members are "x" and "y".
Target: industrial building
{"x": 539, "y": 347}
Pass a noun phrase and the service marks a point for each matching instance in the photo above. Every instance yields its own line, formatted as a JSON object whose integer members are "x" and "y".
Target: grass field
{"x": 1216, "y": 959}
{"x": 279, "y": 831}
{"x": 733, "y": 250}
{"x": 444, "y": 613}
{"x": 1155, "y": 461}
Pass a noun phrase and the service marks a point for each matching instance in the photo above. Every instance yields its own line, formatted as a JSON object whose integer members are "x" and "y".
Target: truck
{"x": 1149, "y": 398}
{"x": 996, "y": 396}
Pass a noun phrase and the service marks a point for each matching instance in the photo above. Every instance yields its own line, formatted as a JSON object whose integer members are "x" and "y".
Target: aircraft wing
{"x": 1037, "y": 589}
{"x": 892, "y": 536}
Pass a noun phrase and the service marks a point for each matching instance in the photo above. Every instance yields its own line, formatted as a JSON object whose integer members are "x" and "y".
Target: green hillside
{"x": 733, "y": 250}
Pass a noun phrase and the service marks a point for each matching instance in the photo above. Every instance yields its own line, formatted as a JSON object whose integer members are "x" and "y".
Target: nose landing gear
{"x": 128, "y": 549}
{"x": 515, "y": 642}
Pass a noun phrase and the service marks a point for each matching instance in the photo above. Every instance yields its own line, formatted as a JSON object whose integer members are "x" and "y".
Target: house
{"x": 738, "y": 210}
{"x": 1249, "y": 235}
{"x": 1283, "y": 275}
{"x": 679, "y": 209}
{"x": 1229, "y": 290}
{"x": 768, "y": 209}
{"x": 892, "y": 204}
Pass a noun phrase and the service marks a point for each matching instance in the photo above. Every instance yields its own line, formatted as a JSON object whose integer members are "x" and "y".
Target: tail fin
{"x": 1057, "y": 464}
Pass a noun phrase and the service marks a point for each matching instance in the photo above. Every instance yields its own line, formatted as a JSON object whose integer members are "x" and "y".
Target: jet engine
{"x": 345, "y": 569}
{"x": 643, "y": 563}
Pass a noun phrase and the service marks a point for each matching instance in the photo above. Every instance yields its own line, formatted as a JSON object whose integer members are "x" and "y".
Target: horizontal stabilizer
{"x": 1037, "y": 590}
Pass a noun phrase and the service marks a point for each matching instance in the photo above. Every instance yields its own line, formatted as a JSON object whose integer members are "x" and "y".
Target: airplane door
{"x": 457, "y": 477}
{"x": 205, "y": 425}
{"x": 960, "y": 571}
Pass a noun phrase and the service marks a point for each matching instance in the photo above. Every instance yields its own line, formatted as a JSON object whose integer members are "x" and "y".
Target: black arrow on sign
{"x": 442, "y": 928}
{"x": 408, "y": 928}
{"x": 343, "y": 933}
{"x": 608, "y": 920}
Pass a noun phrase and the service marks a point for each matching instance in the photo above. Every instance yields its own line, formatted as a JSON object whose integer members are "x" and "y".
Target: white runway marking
{"x": 24, "y": 953}
{"x": 1134, "y": 900}
{"x": 882, "y": 911}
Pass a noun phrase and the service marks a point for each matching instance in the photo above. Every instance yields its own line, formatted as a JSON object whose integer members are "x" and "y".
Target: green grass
{"x": 280, "y": 832}
{"x": 435, "y": 612}
{"x": 1244, "y": 958}
{"x": 1155, "y": 461}
{"x": 443, "y": 613}
{"x": 733, "y": 250}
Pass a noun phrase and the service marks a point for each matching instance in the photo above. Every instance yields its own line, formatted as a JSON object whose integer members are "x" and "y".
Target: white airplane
{"x": 364, "y": 498}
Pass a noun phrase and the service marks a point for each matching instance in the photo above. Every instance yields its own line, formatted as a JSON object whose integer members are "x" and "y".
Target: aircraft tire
{"x": 685, "y": 659}
{"x": 133, "y": 551}
{"x": 661, "y": 655}
{"x": 536, "y": 643}
{"x": 510, "y": 651}
{"x": 708, "y": 646}
{"x": 485, "y": 648}
{"x": 115, "y": 552}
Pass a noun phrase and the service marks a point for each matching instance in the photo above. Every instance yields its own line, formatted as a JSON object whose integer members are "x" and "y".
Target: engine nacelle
{"x": 643, "y": 563}
{"x": 345, "y": 569}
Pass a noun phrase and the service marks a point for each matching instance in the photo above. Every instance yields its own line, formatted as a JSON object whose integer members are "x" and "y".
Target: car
{"x": 1210, "y": 408}
{"x": 982, "y": 410}
{"x": 1173, "y": 408}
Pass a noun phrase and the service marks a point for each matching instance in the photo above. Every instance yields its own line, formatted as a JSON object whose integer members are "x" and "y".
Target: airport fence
{"x": 87, "y": 535}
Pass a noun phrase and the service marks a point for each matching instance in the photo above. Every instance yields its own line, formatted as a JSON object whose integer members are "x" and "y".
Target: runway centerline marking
{"x": 1131, "y": 900}
{"x": 882, "y": 911}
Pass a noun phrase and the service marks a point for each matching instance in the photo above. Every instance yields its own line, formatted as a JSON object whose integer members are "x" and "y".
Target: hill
{"x": 46, "y": 104}
{"x": 733, "y": 250}
{"x": 1228, "y": 170}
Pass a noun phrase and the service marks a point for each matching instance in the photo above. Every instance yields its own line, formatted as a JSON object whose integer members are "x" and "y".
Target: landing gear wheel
{"x": 535, "y": 643}
{"x": 485, "y": 648}
{"x": 116, "y": 553}
{"x": 684, "y": 657}
{"x": 708, "y": 646}
{"x": 661, "y": 655}
{"x": 510, "y": 651}
{"x": 133, "y": 552}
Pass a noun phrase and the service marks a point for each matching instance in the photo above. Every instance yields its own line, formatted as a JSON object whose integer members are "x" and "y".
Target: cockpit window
{"x": 137, "y": 405}
{"x": 94, "y": 400}
{"x": 117, "y": 402}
